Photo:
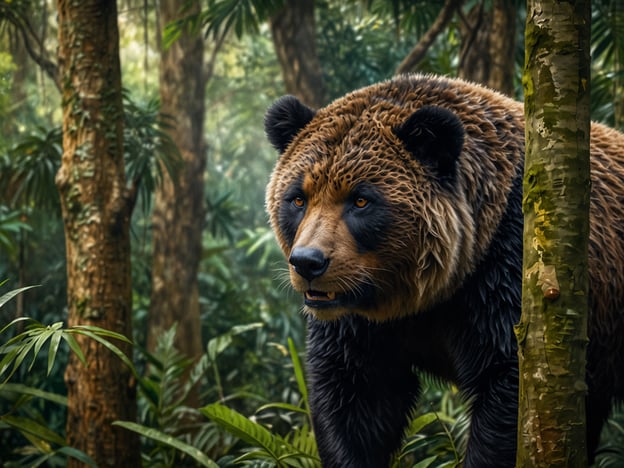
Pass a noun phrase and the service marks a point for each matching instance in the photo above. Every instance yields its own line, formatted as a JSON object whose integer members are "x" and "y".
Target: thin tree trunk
{"x": 552, "y": 334}
{"x": 294, "y": 37}
{"x": 18, "y": 88}
{"x": 96, "y": 210}
{"x": 502, "y": 47}
{"x": 488, "y": 45}
{"x": 179, "y": 212}
{"x": 618, "y": 62}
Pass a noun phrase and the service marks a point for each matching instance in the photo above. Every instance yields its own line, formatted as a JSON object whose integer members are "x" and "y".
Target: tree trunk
{"x": 618, "y": 79}
{"x": 488, "y": 46}
{"x": 178, "y": 216}
{"x": 294, "y": 37}
{"x": 552, "y": 334}
{"x": 96, "y": 210}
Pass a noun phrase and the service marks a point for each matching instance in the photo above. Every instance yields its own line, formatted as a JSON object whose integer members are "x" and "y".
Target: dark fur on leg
{"x": 493, "y": 423}
{"x": 362, "y": 388}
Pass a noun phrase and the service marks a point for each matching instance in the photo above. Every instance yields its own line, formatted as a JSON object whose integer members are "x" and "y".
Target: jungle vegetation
{"x": 190, "y": 311}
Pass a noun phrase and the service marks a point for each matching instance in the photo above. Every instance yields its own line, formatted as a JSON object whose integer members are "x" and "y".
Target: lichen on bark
{"x": 552, "y": 333}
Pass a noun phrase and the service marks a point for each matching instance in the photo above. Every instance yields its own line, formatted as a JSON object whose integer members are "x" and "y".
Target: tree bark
{"x": 618, "y": 80}
{"x": 96, "y": 213}
{"x": 294, "y": 37}
{"x": 488, "y": 46}
{"x": 552, "y": 334}
{"x": 179, "y": 212}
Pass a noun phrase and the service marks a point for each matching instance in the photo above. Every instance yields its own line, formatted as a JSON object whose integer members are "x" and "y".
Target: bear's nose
{"x": 308, "y": 262}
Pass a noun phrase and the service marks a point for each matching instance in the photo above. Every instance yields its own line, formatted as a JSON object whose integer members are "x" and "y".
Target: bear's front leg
{"x": 493, "y": 424}
{"x": 362, "y": 388}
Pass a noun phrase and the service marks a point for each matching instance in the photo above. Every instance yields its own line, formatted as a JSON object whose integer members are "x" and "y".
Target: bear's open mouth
{"x": 363, "y": 299}
{"x": 312, "y": 295}
{"x": 315, "y": 298}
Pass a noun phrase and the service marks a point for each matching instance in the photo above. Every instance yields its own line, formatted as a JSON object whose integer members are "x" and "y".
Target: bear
{"x": 399, "y": 210}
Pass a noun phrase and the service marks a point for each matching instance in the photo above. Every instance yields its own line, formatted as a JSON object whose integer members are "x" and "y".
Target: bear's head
{"x": 369, "y": 202}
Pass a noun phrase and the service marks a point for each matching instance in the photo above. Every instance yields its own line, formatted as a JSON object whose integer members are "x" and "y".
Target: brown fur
{"x": 428, "y": 310}
{"x": 452, "y": 232}
{"x": 444, "y": 236}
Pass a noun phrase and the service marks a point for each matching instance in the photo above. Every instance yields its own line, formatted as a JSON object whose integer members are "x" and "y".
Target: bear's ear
{"x": 435, "y": 137}
{"x": 284, "y": 119}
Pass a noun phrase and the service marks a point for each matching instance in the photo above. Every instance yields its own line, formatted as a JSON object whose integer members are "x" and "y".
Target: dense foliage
{"x": 250, "y": 372}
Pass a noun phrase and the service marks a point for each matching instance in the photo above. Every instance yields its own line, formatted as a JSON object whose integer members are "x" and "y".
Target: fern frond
{"x": 244, "y": 428}
{"x": 151, "y": 433}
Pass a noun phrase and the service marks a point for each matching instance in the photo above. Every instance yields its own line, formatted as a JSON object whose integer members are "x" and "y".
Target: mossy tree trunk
{"x": 552, "y": 334}
{"x": 178, "y": 216}
{"x": 96, "y": 210}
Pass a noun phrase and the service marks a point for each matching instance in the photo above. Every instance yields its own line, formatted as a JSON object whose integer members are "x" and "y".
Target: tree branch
{"x": 218, "y": 44}
{"x": 410, "y": 62}
{"x": 29, "y": 36}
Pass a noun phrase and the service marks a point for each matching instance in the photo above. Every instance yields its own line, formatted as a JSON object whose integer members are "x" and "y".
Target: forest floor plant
{"x": 433, "y": 439}
{"x": 17, "y": 413}
{"x": 611, "y": 452}
{"x": 174, "y": 434}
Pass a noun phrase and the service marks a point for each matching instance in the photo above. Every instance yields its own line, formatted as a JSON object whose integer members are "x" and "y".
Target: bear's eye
{"x": 298, "y": 202}
{"x": 361, "y": 202}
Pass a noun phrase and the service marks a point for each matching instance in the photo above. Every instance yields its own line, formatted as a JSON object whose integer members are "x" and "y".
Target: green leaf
{"x": 35, "y": 161}
{"x": 29, "y": 426}
{"x": 6, "y": 362}
{"x": 22, "y": 389}
{"x": 238, "y": 329}
{"x": 11, "y": 323}
{"x": 298, "y": 368}
{"x": 39, "y": 340}
{"x": 244, "y": 428}
{"x": 10, "y": 295}
{"x": 274, "y": 447}
{"x": 54, "y": 345}
{"x": 78, "y": 455}
{"x": 258, "y": 240}
{"x": 73, "y": 344}
{"x": 426, "y": 462}
{"x": 282, "y": 406}
{"x": 303, "y": 440}
{"x": 448, "y": 464}
{"x": 166, "y": 439}
{"x": 171, "y": 33}
{"x": 11, "y": 224}
{"x": 33, "y": 338}
{"x": 220, "y": 343}
{"x": 83, "y": 330}
{"x": 39, "y": 445}
{"x": 103, "y": 332}
{"x": 418, "y": 424}
{"x": 22, "y": 352}
{"x": 217, "y": 345}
